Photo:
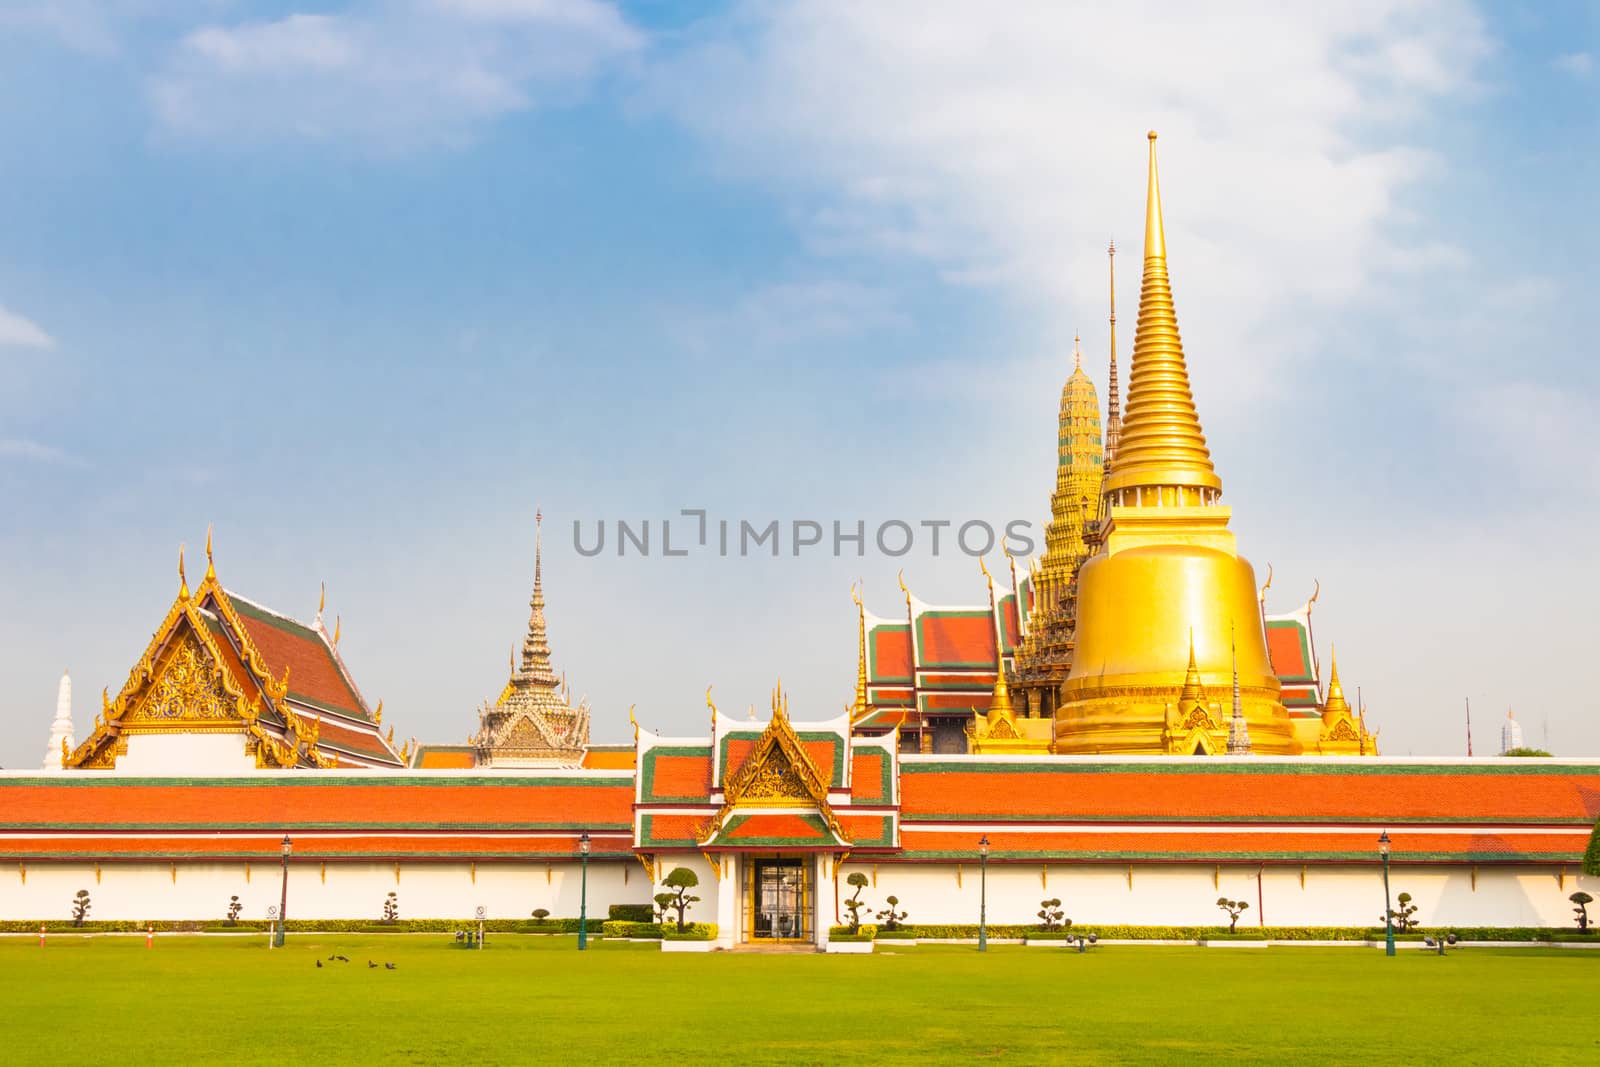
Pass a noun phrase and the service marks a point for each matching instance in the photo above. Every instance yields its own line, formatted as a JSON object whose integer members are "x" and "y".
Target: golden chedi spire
{"x": 1042, "y": 659}
{"x": 1161, "y": 448}
{"x": 1336, "y": 704}
{"x": 1194, "y": 691}
{"x": 1166, "y": 578}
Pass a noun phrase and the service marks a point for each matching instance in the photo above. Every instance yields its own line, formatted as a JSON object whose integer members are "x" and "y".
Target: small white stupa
{"x": 62, "y": 737}
{"x": 1510, "y": 733}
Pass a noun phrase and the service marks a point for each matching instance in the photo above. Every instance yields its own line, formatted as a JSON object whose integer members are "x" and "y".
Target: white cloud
{"x": 35, "y": 452}
{"x": 24, "y": 333}
{"x": 1006, "y": 145}
{"x": 393, "y": 74}
{"x": 1578, "y": 64}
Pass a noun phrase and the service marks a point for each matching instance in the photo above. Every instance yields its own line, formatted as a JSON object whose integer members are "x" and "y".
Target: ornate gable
{"x": 193, "y": 678}
{"x": 776, "y": 774}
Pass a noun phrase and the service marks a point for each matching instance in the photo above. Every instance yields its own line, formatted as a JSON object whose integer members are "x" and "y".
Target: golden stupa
{"x": 1166, "y": 587}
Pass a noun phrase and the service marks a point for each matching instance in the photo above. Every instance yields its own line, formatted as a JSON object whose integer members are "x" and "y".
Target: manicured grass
{"x": 537, "y": 1000}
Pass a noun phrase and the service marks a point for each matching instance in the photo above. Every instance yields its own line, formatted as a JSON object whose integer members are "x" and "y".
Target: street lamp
{"x": 1388, "y": 911}
{"x": 283, "y": 899}
{"x": 983, "y": 893}
{"x": 583, "y": 898}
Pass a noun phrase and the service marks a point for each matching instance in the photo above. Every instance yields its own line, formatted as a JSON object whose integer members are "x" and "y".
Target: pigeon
{"x": 388, "y": 966}
{"x": 332, "y": 958}
{"x": 319, "y": 965}
{"x": 371, "y": 964}
{"x": 342, "y": 959}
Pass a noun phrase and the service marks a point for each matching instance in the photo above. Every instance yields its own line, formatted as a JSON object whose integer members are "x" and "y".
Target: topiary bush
{"x": 681, "y": 880}
{"x": 1051, "y": 917}
{"x": 853, "y": 903}
{"x": 889, "y": 918}
{"x": 1234, "y": 908}
{"x": 1582, "y": 900}
{"x": 80, "y": 907}
{"x": 631, "y": 913}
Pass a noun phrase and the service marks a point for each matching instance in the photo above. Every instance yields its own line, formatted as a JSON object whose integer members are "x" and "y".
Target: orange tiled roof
{"x": 610, "y": 759}
{"x": 290, "y": 801}
{"x": 1248, "y": 792}
{"x": 314, "y": 675}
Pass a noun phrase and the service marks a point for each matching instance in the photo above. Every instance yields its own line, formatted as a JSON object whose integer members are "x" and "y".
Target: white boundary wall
{"x": 348, "y": 890}
{"x": 1186, "y": 894}
{"x": 1160, "y": 895}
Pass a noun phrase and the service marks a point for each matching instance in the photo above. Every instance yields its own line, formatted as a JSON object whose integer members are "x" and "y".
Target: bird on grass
{"x": 332, "y": 958}
{"x": 389, "y": 966}
{"x": 371, "y": 964}
{"x": 341, "y": 959}
{"x": 319, "y": 965}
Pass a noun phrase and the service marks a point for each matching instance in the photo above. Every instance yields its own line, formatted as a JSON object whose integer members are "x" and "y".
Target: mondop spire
{"x": 533, "y": 723}
{"x": 1161, "y": 454}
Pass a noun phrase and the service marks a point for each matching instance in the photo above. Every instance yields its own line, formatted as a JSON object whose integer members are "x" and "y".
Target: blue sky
{"x": 367, "y": 284}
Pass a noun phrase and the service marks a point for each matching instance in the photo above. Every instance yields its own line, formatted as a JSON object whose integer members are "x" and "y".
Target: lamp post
{"x": 983, "y": 893}
{"x": 1388, "y": 912}
{"x": 283, "y": 899}
{"x": 583, "y": 895}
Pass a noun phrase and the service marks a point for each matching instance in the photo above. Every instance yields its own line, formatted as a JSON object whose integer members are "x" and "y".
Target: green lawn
{"x": 537, "y": 1000}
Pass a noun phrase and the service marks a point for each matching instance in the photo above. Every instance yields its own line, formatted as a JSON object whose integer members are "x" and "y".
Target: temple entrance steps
{"x": 776, "y": 947}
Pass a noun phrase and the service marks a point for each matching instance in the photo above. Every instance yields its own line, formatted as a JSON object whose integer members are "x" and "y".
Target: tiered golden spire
{"x": 536, "y": 645}
{"x": 1193, "y": 692}
{"x": 1336, "y": 703}
{"x": 1161, "y": 446}
{"x": 1113, "y": 398}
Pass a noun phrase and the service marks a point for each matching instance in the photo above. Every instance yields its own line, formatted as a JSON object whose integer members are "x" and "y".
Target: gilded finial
{"x": 1077, "y": 352}
{"x": 211, "y": 569}
{"x": 982, "y": 566}
{"x": 337, "y": 620}
{"x": 862, "y": 705}
{"x": 183, "y": 579}
{"x": 713, "y": 708}
{"x": 901, "y": 577}
{"x": 634, "y": 722}
{"x": 1262, "y": 597}
{"x": 1315, "y": 592}
{"x": 1155, "y": 237}
{"x": 389, "y": 737}
{"x": 322, "y": 598}
{"x": 377, "y": 714}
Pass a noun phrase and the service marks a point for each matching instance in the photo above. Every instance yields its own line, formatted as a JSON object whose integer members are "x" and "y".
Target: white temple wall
{"x": 1160, "y": 895}
{"x": 339, "y": 890}
{"x": 1186, "y": 895}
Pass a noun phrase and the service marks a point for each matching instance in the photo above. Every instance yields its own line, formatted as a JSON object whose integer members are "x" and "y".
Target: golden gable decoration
{"x": 777, "y": 773}
{"x": 180, "y": 685}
